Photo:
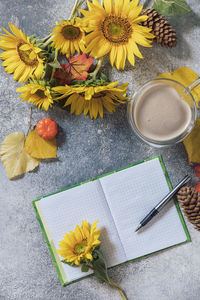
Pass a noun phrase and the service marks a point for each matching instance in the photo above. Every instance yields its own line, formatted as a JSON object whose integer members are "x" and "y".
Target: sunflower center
{"x": 116, "y": 29}
{"x": 80, "y": 248}
{"x": 41, "y": 94}
{"x": 25, "y": 56}
{"x": 71, "y": 32}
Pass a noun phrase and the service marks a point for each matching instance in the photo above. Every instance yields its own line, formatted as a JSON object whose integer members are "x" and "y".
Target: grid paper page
{"x": 131, "y": 194}
{"x": 63, "y": 211}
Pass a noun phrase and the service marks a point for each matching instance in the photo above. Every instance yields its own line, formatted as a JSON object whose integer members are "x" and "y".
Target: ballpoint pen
{"x": 163, "y": 202}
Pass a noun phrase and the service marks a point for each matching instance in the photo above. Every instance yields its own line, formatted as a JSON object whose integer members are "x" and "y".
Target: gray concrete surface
{"x": 87, "y": 149}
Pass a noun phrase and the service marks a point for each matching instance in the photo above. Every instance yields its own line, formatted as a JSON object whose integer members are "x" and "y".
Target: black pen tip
{"x": 139, "y": 226}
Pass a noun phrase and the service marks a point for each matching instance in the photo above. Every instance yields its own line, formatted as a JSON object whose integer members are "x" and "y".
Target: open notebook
{"x": 119, "y": 201}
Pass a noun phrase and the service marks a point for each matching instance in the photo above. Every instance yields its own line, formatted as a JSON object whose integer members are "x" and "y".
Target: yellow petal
{"x": 89, "y": 256}
{"x": 113, "y": 54}
{"x": 131, "y": 57}
{"x": 78, "y": 233}
{"x": 133, "y": 46}
{"x": 133, "y": 13}
{"x": 79, "y": 106}
{"x": 108, "y": 4}
{"x": 119, "y": 57}
{"x": 25, "y": 47}
{"x": 100, "y": 105}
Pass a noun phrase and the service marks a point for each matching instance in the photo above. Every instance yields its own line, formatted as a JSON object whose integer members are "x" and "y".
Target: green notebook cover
{"x": 55, "y": 257}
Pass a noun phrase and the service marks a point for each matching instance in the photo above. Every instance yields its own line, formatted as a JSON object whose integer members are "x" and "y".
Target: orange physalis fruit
{"x": 47, "y": 128}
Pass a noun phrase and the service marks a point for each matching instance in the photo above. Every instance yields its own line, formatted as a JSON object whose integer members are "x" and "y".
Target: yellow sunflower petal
{"x": 108, "y": 4}
{"x": 78, "y": 233}
{"x": 36, "y": 93}
{"x": 20, "y": 56}
{"x": 112, "y": 27}
{"x": 69, "y": 36}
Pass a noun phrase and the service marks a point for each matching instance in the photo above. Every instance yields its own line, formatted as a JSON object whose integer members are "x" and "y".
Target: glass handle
{"x": 194, "y": 84}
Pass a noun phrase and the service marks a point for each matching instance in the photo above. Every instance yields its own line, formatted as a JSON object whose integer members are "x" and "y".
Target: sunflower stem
{"x": 47, "y": 42}
{"x": 80, "y": 4}
{"x": 98, "y": 67}
{"x": 90, "y": 266}
{"x": 43, "y": 39}
{"x": 113, "y": 284}
{"x": 74, "y": 10}
{"x": 29, "y": 121}
{"x": 53, "y": 70}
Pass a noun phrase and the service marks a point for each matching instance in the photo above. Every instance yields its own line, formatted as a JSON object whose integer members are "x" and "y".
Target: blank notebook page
{"x": 61, "y": 213}
{"x": 131, "y": 194}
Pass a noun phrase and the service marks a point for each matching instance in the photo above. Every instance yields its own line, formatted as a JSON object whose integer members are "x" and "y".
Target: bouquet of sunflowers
{"x": 64, "y": 67}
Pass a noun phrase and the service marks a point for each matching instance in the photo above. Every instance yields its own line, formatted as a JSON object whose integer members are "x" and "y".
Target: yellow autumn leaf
{"x": 186, "y": 76}
{"x": 38, "y": 147}
{"x": 192, "y": 144}
{"x": 15, "y": 159}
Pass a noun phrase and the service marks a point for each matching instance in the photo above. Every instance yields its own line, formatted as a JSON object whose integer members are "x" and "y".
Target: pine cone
{"x": 164, "y": 33}
{"x": 189, "y": 200}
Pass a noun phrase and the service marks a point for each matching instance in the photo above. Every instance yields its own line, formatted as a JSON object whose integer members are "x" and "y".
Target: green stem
{"x": 29, "y": 121}
{"x": 43, "y": 39}
{"x": 113, "y": 284}
{"x": 90, "y": 266}
{"x": 98, "y": 67}
{"x": 55, "y": 59}
{"x": 47, "y": 42}
{"x": 79, "y": 5}
{"x": 74, "y": 9}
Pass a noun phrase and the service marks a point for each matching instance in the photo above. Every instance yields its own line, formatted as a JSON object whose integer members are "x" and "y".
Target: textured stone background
{"x": 86, "y": 149}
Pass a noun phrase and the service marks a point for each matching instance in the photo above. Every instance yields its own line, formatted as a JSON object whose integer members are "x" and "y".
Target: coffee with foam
{"x": 161, "y": 114}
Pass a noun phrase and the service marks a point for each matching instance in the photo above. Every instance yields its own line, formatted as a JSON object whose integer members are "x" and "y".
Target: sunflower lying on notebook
{"x": 81, "y": 247}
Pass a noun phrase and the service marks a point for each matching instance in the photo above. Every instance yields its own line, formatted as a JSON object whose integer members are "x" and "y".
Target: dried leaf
{"x": 197, "y": 171}
{"x": 186, "y": 76}
{"x": 171, "y": 7}
{"x": 77, "y": 68}
{"x": 63, "y": 76}
{"x": 192, "y": 144}
{"x": 39, "y": 148}
{"x": 15, "y": 159}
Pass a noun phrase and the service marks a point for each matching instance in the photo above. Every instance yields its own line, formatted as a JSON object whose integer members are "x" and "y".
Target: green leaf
{"x": 47, "y": 72}
{"x": 68, "y": 263}
{"x": 171, "y": 7}
{"x": 103, "y": 77}
{"x": 100, "y": 271}
{"x": 84, "y": 268}
{"x": 55, "y": 64}
{"x": 99, "y": 266}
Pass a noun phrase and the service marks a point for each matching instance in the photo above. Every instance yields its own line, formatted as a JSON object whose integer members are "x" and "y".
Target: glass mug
{"x": 184, "y": 94}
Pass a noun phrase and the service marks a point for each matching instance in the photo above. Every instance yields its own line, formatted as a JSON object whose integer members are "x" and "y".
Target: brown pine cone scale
{"x": 164, "y": 33}
{"x": 189, "y": 200}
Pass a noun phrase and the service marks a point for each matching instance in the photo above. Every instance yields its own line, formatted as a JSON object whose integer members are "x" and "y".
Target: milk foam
{"x": 161, "y": 114}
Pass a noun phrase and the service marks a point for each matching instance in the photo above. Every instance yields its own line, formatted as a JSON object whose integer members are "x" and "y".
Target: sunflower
{"x": 92, "y": 99}
{"x": 114, "y": 28}
{"x": 20, "y": 57}
{"x": 68, "y": 37}
{"x": 78, "y": 246}
{"x": 38, "y": 93}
